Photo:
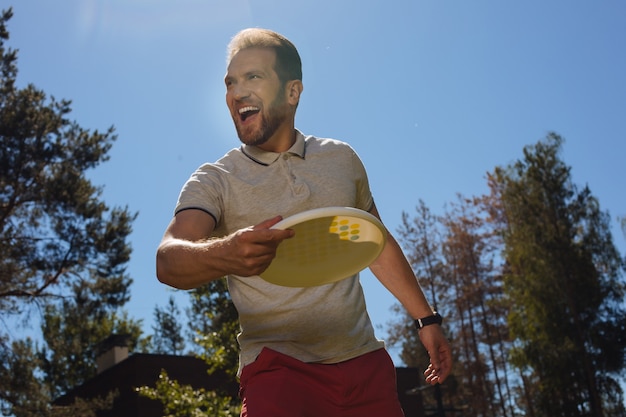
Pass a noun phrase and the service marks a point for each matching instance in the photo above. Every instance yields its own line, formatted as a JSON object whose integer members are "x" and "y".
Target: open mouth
{"x": 247, "y": 111}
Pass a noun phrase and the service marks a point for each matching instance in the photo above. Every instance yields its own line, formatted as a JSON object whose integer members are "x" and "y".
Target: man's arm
{"x": 187, "y": 257}
{"x": 394, "y": 272}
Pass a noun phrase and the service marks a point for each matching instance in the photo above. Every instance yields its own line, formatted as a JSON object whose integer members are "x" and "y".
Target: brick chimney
{"x": 111, "y": 351}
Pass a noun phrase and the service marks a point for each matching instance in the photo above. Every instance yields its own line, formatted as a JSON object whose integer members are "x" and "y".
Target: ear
{"x": 294, "y": 89}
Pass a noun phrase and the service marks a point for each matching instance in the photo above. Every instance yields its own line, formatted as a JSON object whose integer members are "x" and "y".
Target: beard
{"x": 270, "y": 122}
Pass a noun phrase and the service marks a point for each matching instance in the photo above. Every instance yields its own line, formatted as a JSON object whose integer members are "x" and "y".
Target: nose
{"x": 238, "y": 91}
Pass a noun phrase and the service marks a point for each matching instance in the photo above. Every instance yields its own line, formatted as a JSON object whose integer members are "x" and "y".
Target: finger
{"x": 269, "y": 238}
{"x": 266, "y": 224}
{"x": 433, "y": 380}
{"x": 277, "y": 235}
{"x": 267, "y": 234}
{"x": 432, "y": 376}
{"x": 438, "y": 374}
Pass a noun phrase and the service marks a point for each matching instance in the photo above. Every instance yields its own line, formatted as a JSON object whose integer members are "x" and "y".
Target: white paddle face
{"x": 330, "y": 244}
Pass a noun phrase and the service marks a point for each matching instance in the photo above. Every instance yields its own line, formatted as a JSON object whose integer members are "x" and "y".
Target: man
{"x": 304, "y": 351}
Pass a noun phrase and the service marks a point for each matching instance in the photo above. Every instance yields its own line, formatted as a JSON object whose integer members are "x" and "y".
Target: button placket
{"x": 297, "y": 187}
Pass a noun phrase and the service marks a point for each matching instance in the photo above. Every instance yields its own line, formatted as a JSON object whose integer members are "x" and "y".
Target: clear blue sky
{"x": 431, "y": 94}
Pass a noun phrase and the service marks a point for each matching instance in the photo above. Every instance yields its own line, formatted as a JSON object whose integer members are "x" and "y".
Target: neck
{"x": 282, "y": 140}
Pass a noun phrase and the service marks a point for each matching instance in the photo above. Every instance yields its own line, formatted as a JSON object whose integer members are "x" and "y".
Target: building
{"x": 118, "y": 371}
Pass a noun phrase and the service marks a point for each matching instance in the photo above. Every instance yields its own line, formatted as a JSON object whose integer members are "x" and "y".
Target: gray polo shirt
{"x": 325, "y": 324}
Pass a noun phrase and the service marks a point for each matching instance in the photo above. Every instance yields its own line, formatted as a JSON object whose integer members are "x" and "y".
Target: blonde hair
{"x": 288, "y": 64}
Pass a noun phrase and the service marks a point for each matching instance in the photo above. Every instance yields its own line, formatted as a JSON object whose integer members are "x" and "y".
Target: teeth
{"x": 248, "y": 108}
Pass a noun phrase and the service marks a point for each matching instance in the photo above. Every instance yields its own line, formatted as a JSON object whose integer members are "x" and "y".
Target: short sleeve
{"x": 364, "y": 199}
{"x": 203, "y": 191}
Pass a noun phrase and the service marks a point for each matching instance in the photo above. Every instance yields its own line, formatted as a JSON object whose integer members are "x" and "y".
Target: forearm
{"x": 186, "y": 258}
{"x": 394, "y": 272}
{"x": 185, "y": 264}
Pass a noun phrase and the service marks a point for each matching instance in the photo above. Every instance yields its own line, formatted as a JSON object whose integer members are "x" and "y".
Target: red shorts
{"x": 277, "y": 385}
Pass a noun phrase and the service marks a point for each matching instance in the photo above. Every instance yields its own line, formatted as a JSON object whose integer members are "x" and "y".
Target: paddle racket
{"x": 330, "y": 244}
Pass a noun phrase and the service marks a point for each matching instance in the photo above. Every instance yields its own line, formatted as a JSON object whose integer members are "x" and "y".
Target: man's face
{"x": 255, "y": 95}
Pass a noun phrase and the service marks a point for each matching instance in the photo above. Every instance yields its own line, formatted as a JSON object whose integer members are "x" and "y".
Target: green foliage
{"x": 23, "y": 396}
{"x": 84, "y": 408}
{"x": 53, "y": 224}
{"x": 213, "y": 326}
{"x": 63, "y": 251}
{"x": 184, "y": 401}
{"x": 168, "y": 338}
{"x": 565, "y": 284}
{"x": 532, "y": 288}
{"x": 72, "y": 340}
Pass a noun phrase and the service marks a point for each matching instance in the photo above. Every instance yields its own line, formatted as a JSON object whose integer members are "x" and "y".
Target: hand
{"x": 251, "y": 250}
{"x": 438, "y": 348}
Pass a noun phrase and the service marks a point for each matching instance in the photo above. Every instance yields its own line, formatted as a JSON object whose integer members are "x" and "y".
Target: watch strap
{"x": 428, "y": 320}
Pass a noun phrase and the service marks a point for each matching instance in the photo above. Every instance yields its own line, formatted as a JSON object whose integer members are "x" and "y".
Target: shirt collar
{"x": 268, "y": 158}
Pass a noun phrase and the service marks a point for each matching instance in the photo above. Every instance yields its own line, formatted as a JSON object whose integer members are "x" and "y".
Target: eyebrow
{"x": 245, "y": 74}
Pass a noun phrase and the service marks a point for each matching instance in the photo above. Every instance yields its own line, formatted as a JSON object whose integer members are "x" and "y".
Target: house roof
{"x": 143, "y": 370}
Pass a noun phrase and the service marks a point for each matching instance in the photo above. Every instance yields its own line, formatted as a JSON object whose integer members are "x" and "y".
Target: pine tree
{"x": 213, "y": 327}
{"x": 533, "y": 290}
{"x": 470, "y": 249}
{"x": 565, "y": 286}
{"x": 168, "y": 337}
{"x": 63, "y": 251}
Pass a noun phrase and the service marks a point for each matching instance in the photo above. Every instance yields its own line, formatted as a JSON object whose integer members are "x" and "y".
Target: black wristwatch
{"x": 427, "y": 321}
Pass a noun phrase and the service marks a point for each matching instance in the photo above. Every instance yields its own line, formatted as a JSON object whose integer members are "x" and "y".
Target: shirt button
{"x": 285, "y": 157}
